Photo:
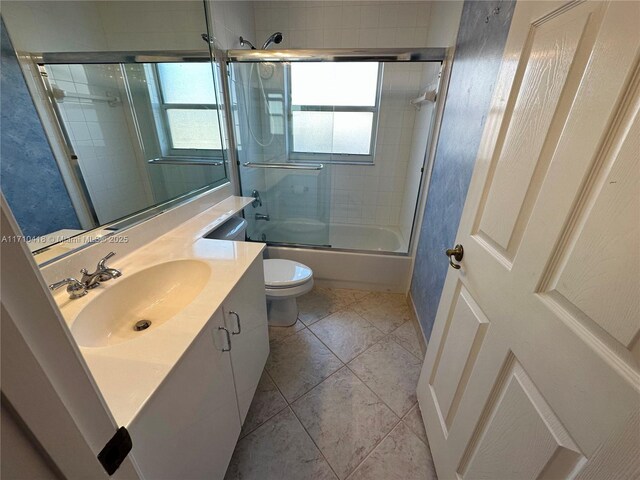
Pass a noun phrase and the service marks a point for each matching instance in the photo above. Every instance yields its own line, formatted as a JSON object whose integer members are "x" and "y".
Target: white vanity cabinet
{"x": 245, "y": 316}
{"x": 189, "y": 427}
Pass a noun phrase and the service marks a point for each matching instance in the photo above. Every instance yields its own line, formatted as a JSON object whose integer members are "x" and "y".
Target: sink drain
{"x": 142, "y": 325}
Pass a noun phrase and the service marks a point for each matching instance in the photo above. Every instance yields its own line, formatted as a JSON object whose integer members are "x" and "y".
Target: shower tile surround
{"x": 380, "y": 195}
{"x": 323, "y": 412}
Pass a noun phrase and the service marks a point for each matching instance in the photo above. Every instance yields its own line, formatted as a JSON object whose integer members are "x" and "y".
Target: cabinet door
{"x": 189, "y": 427}
{"x": 245, "y": 311}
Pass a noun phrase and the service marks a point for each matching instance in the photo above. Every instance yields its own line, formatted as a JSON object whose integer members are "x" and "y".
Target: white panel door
{"x": 533, "y": 368}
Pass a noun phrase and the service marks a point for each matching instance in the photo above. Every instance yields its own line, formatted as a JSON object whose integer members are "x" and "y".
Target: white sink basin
{"x": 155, "y": 294}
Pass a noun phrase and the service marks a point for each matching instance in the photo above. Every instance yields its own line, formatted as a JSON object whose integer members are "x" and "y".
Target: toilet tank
{"x": 233, "y": 229}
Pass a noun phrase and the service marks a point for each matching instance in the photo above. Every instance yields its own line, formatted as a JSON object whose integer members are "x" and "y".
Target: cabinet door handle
{"x": 228, "y": 349}
{"x": 235, "y": 314}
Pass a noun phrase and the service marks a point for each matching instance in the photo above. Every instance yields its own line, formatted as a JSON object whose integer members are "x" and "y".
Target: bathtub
{"x": 336, "y": 235}
{"x": 364, "y": 257}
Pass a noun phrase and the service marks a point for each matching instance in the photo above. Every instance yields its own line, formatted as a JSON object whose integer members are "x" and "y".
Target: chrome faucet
{"x": 260, "y": 216}
{"x": 79, "y": 288}
{"x": 102, "y": 273}
{"x": 75, "y": 289}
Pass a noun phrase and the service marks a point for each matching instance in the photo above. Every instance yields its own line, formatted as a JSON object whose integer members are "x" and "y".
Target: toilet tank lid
{"x": 279, "y": 273}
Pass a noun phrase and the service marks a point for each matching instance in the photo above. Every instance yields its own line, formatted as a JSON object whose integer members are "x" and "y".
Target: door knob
{"x": 456, "y": 253}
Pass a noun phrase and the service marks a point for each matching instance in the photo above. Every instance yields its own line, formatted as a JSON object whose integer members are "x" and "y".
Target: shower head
{"x": 275, "y": 38}
{"x": 246, "y": 43}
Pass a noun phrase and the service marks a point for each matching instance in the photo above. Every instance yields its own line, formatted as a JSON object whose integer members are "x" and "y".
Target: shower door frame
{"x": 440, "y": 55}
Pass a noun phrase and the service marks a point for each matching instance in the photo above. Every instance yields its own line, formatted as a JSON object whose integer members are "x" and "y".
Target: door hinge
{"x": 115, "y": 451}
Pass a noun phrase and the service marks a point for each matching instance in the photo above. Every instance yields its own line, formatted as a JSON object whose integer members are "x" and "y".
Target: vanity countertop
{"x": 128, "y": 373}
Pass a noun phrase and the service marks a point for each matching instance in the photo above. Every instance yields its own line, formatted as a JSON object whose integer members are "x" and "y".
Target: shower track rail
{"x": 247, "y": 56}
{"x": 338, "y": 55}
{"x": 285, "y": 166}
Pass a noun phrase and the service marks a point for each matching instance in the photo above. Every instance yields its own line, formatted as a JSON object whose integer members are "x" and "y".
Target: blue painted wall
{"x": 29, "y": 175}
{"x": 479, "y": 49}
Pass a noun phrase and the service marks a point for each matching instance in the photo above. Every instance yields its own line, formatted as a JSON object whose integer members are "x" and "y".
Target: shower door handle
{"x": 285, "y": 166}
{"x": 456, "y": 253}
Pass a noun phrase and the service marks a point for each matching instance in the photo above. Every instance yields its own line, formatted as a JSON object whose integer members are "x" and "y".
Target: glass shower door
{"x": 293, "y": 199}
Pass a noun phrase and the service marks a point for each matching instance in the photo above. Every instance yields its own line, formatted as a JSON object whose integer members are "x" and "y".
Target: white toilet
{"x": 284, "y": 280}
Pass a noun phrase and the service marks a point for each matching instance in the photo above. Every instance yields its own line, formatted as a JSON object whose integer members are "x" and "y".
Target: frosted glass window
{"x": 334, "y": 108}
{"x": 194, "y": 129}
{"x": 332, "y": 132}
{"x": 187, "y": 83}
{"x": 334, "y": 84}
{"x": 188, "y": 123}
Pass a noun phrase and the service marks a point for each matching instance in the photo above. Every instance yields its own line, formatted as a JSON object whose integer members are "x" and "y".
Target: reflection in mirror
{"x": 141, "y": 134}
{"x": 128, "y": 140}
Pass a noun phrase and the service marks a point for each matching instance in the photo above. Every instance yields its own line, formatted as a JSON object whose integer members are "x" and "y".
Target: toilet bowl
{"x": 284, "y": 280}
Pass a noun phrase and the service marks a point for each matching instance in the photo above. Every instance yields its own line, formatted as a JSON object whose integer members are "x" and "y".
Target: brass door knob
{"x": 456, "y": 253}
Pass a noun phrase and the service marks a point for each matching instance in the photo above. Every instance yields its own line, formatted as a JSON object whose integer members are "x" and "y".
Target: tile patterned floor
{"x": 337, "y": 398}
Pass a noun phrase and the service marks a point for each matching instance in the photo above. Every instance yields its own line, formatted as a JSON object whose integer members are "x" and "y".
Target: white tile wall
{"x": 335, "y": 24}
{"x": 38, "y": 26}
{"x": 232, "y": 19}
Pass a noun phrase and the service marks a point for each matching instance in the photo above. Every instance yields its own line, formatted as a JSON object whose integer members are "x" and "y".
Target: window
{"x": 334, "y": 109}
{"x": 188, "y": 119}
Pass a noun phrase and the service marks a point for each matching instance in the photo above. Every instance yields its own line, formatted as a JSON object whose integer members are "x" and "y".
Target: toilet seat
{"x": 285, "y": 274}
{"x": 289, "y": 292}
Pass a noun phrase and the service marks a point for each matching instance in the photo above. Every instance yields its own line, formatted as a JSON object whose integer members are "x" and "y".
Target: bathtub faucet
{"x": 260, "y": 216}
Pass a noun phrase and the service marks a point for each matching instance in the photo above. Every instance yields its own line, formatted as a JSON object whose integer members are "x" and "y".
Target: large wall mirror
{"x": 101, "y": 136}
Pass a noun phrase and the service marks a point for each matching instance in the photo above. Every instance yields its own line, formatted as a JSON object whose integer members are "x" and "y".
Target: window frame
{"x": 343, "y": 158}
{"x": 163, "y": 128}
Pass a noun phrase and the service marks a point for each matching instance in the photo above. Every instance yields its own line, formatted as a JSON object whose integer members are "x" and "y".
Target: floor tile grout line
{"x": 374, "y": 393}
{"x": 374, "y": 448}
{"x": 384, "y": 438}
{"x": 286, "y": 404}
{"x": 377, "y": 341}
{"x": 314, "y": 386}
{"x": 403, "y": 347}
{"x": 418, "y": 436}
{"x": 314, "y": 442}
{"x": 289, "y": 406}
{"x": 346, "y": 364}
{"x": 342, "y": 307}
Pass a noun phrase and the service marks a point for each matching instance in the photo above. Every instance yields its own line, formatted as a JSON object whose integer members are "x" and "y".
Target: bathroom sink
{"x": 136, "y": 304}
